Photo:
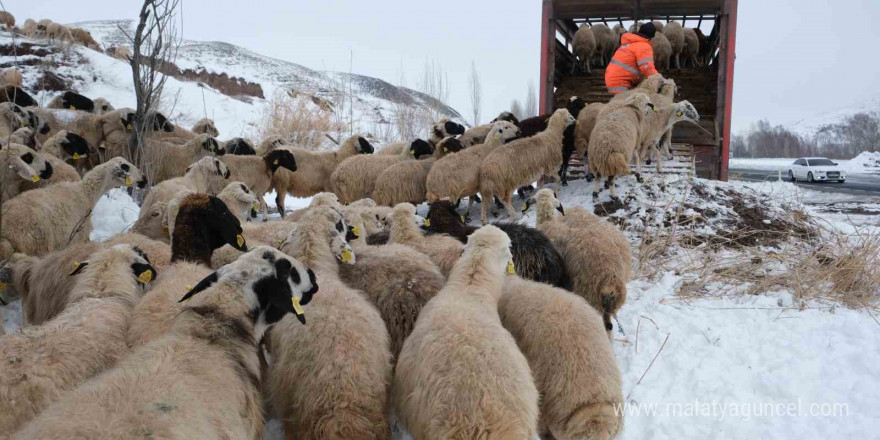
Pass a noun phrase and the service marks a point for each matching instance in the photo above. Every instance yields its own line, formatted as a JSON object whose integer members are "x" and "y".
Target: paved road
{"x": 856, "y": 184}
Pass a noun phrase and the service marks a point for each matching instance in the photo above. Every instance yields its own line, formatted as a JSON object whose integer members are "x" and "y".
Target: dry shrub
{"x": 298, "y": 120}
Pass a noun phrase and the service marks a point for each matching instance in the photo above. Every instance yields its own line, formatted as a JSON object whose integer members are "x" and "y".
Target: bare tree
{"x": 531, "y": 108}
{"x": 517, "y": 109}
{"x": 155, "y": 44}
{"x": 476, "y": 93}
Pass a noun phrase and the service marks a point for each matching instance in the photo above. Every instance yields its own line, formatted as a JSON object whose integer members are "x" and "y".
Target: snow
{"x": 769, "y": 164}
{"x": 865, "y": 163}
{"x": 115, "y": 212}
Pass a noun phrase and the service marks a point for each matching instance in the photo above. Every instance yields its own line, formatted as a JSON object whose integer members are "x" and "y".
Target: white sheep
{"x": 477, "y": 135}
{"x": 168, "y": 161}
{"x": 202, "y": 379}
{"x": 439, "y": 131}
{"x": 615, "y": 138}
{"x": 523, "y": 161}
{"x": 442, "y": 249}
{"x": 583, "y": 46}
{"x": 258, "y": 172}
{"x": 87, "y": 338}
{"x": 355, "y": 178}
{"x": 19, "y": 163}
{"x": 675, "y": 34}
{"x": 405, "y": 181}
{"x": 208, "y": 176}
{"x": 460, "y": 373}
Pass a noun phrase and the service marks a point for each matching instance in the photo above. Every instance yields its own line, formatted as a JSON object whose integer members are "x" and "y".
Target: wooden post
{"x": 725, "y": 81}
{"x": 548, "y": 45}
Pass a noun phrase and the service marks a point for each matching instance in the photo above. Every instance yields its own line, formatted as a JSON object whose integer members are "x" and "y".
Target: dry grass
{"x": 302, "y": 124}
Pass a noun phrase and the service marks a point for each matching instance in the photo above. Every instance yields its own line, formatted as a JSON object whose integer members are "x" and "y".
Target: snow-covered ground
{"x": 864, "y": 163}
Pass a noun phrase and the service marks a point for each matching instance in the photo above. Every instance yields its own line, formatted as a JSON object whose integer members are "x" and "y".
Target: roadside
{"x": 862, "y": 185}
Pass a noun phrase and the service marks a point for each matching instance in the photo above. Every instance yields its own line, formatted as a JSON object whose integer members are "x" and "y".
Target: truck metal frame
{"x": 709, "y": 87}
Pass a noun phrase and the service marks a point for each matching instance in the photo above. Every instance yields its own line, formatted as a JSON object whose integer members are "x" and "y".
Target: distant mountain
{"x": 810, "y": 125}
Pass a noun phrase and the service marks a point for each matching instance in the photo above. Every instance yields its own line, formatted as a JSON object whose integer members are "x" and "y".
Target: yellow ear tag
{"x": 276, "y": 162}
{"x": 279, "y": 242}
{"x": 356, "y": 231}
{"x": 679, "y": 114}
{"x": 462, "y": 218}
{"x": 128, "y": 180}
{"x": 256, "y": 206}
{"x": 35, "y": 178}
{"x": 511, "y": 270}
{"x": 72, "y": 108}
{"x": 21, "y": 123}
{"x": 576, "y": 122}
{"x": 2, "y": 286}
{"x": 75, "y": 156}
{"x": 240, "y": 240}
{"x": 525, "y": 206}
{"x": 75, "y": 265}
{"x": 497, "y": 136}
{"x": 146, "y": 277}
{"x": 428, "y": 222}
{"x": 128, "y": 127}
{"x": 296, "y": 307}
{"x": 346, "y": 255}
{"x": 165, "y": 229}
{"x": 445, "y": 150}
{"x": 412, "y": 152}
{"x": 188, "y": 288}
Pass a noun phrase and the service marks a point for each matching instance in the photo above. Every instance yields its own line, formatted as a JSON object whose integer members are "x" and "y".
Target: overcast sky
{"x": 795, "y": 58}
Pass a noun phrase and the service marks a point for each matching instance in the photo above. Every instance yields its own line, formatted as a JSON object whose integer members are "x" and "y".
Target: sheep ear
{"x": 202, "y": 285}
{"x": 78, "y": 267}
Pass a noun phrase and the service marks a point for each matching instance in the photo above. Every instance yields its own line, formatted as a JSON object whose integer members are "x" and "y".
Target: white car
{"x": 816, "y": 169}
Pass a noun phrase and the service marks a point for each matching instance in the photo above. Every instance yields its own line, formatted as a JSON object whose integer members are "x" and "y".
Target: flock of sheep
{"x": 674, "y": 46}
{"x": 195, "y": 319}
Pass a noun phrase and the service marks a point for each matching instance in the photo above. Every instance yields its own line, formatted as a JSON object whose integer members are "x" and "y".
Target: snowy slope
{"x": 810, "y": 125}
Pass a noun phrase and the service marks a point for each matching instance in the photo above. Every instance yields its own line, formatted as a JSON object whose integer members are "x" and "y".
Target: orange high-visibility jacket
{"x": 633, "y": 60}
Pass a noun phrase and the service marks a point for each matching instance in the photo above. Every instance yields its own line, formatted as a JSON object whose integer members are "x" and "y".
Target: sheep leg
{"x": 610, "y": 184}
{"x": 596, "y": 187}
{"x": 279, "y": 201}
{"x": 467, "y": 214}
{"x": 507, "y": 200}
{"x": 483, "y": 207}
{"x": 264, "y": 208}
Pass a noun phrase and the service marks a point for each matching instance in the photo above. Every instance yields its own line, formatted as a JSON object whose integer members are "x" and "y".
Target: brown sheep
{"x": 460, "y": 373}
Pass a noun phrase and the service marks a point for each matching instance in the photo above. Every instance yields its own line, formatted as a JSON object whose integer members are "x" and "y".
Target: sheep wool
{"x": 477, "y": 135}
{"x": 168, "y": 161}
{"x": 460, "y": 373}
{"x": 355, "y": 178}
{"x": 439, "y": 130}
{"x": 406, "y": 180}
{"x": 615, "y": 137}
{"x": 206, "y": 126}
{"x": 691, "y": 47}
{"x": 202, "y": 379}
{"x": 84, "y": 340}
{"x": 523, "y": 161}
{"x": 258, "y": 172}
{"x": 43, "y": 220}
{"x": 607, "y": 42}
{"x": 662, "y": 51}
{"x": 21, "y": 164}
{"x": 209, "y": 175}
{"x": 675, "y": 34}
{"x": 11, "y": 76}
{"x": 596, "y": 254}
{"x": 442, "y": 249}
{"x": 584, "y": 47}
{"x": 570, "y": 357}
{"x": 584, "y": 129}
{"x": 330, "y": 378}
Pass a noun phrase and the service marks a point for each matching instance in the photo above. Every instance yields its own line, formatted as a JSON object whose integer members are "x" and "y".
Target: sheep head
{"x": 504, "y": 131}
{"x": 280, "y": 158}
{"x": 142, "y": 272}
{"x": 121, "y": 172}
{"x": 27, "y": 163}
{"x": 273, "y": 284}
{"x": 507, "y": 116}
{"x": 575, "y": 105}
{"x": 419, "y": 148}
{"x": 75, "y": 146}
{"x": 363, "y": 146}
{"x": 450, "y": 145}
{"x": 210, "y": 145}
{"x": 152, "y": 223}
{"x": 547, "y": 202}
{"x": 240, "y": 147}
{"x": 489, "y": 248}
{"x": 561, "y": 119}
{"x": 685, "y": 111}
{"x": 443, "y": 218}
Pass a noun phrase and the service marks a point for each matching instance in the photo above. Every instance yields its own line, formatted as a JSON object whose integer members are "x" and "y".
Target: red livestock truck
{"x": 708, "y": 86}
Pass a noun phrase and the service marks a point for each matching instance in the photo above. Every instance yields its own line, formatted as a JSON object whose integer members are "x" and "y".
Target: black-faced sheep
{"x": 208, "y": 176}
{"x": 523, "y": 161}
{"x": 584, "y": 47}
{"x": 46, "y": 219}
{"x": 442, "y": 249}
{"x": 440, "y": 130}
{"x": 72, "y": 101}
{"x": 344, "y": 332}
{"x": 84, "y": 340}
{"x": 460, "y": 373}
{"x": 19, "y": 164}
{"x": 206, "y": 126}
{"x": 477, "y": 135}
{"x": 202, "y": 379}
{"x": 355, "y": 178}
{"x": 533, "y": 253}
{"x": 615, "y": 138}
{"x": 596, "y": 254}
{"x": 314, "y": 169}
{"x": 203, "y": 224}
{"x": 570, "y": 357}
{"x": 258, "y": 172}
{"x": 17, "y": 96}
{"x": 240, "y": 147}
{"x": 96, "y": 129}
{"x": 406, "y": 181}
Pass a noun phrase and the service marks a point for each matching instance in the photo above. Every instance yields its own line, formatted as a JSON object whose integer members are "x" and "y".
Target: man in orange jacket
{"x": 633, "y": 60}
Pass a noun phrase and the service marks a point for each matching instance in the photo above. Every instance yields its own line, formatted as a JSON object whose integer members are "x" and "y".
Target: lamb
{"x": 458, "y": 176}
{"x": 523, "y": 161}
{"x": 19, "y": 163}
{"x": 314, "y": 169}
{"x": 533, "y": 254}
{"x": 7, "y": 20}
{"x": 607, "y": 42}
{"x": 84, "y": 340}
{"x": 662, "y": 51}
{"x": 203, "y": 225}
{"x": 659, "y": 124}
{"x": 675, "y": 34}
{"x": 240, "y": 146}
{"x": 208, "y": 175}
{"x": 397, "y": 279}
{"x": 11, "y": 77}
{"x": 258, "y": 172}
{"x": 17, "y": 96}
{"x": 615, "y": 138}
{"x": 202, "y": 379}
{"x": 206, "y": 126}
{"x": 347, "y": 400}
{"x": 691, "y": 47}
{"x": 440, "y": 130}
{"x": 477, "y": 135}
{"x": 584, "y": 47}
{"x": 169, "y": 161}
{"x": 460, "y": 373}
{"x": 570, "y": 357}
{"x": 442, "y": 249}
{"x": 355, "y": 177}
{"x": 43, "y": 220}
{"x": 406, "y": 180}
{"x": 596, "y": 254}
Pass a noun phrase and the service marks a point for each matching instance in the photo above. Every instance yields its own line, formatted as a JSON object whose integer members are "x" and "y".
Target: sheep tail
{"x": 617, "y": 164}
{"x": 597, "y": 420}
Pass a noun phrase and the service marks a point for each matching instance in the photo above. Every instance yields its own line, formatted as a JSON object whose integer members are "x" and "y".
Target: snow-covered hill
{"x": 809, "y": 126}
